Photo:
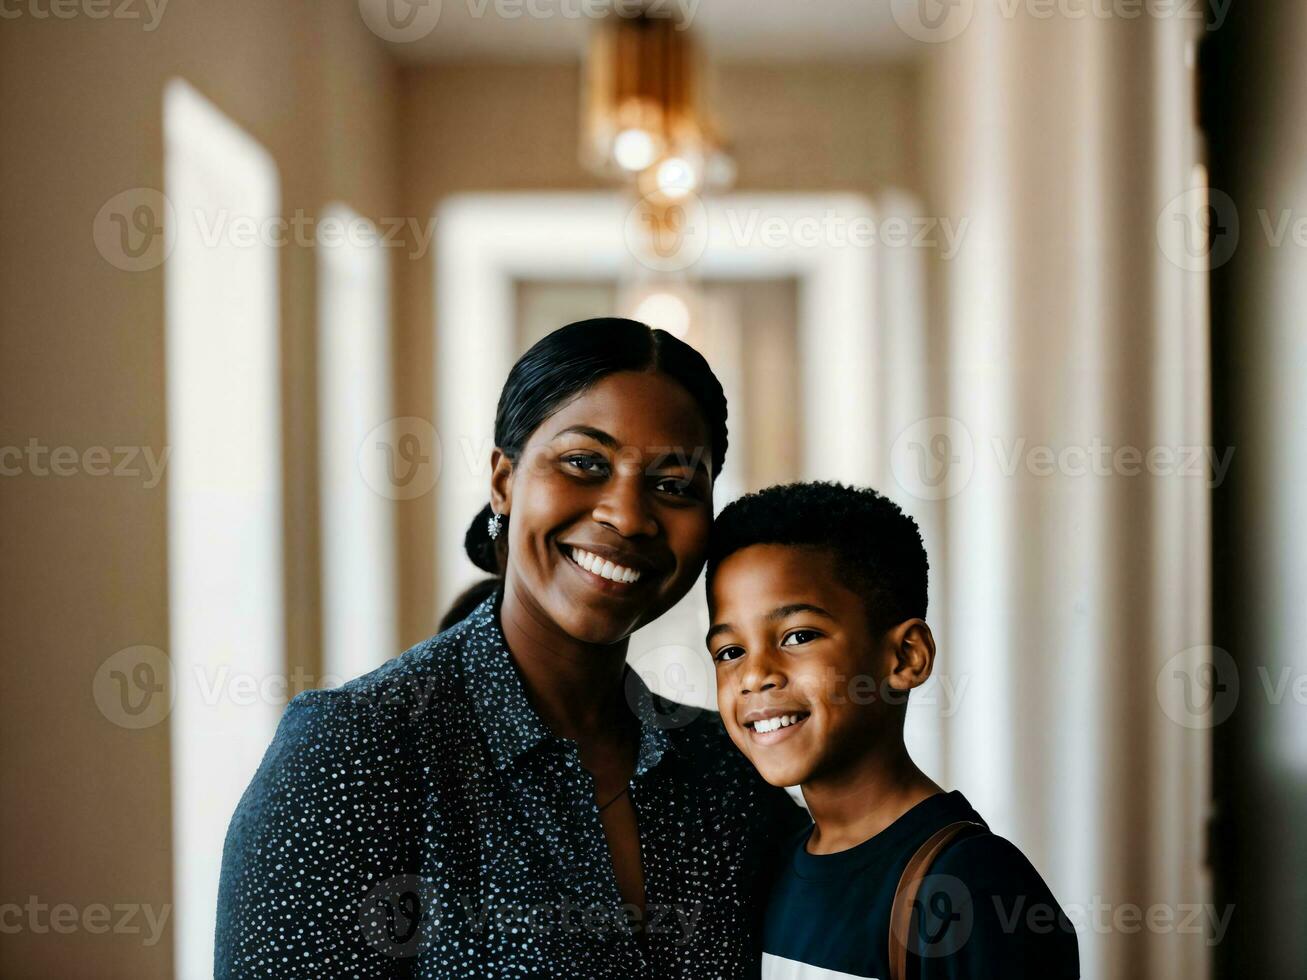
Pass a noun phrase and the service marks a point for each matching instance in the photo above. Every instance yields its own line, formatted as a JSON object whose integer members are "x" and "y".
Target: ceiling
{"x": 555, "y": 30}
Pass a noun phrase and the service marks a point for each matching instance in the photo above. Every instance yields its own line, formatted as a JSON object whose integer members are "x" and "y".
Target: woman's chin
{"x": 601, "y": 619}
{"x": 597, "y": 626}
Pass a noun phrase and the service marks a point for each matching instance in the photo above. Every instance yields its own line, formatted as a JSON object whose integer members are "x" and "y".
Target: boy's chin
{"x": 782, "y": 774}
{"x": 777, "y": 771}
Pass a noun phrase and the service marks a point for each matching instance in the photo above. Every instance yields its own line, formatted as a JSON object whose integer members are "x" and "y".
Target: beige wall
{"x": 83, "y": 561}
{"x": 484, "y": 127}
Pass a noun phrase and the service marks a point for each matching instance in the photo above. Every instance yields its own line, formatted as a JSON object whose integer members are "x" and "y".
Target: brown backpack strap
{"x": 905, "y": 896}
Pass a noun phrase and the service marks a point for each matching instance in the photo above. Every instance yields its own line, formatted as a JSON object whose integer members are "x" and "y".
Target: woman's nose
{"x": 625, "y": 509}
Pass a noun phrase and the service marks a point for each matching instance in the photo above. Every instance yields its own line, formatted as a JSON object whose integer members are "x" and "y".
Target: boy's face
{"x": 791, "y": 642}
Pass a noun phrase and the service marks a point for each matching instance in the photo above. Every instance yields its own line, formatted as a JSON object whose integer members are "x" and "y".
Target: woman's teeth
{"x": 604, "y": 569}
{"x": 764, "y": 725}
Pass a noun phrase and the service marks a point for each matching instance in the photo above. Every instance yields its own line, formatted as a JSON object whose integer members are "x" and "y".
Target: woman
{"x": 507, "y": 798}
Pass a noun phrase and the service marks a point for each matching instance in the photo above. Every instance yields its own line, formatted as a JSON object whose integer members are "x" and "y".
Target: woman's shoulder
{"x": 427, "y": 674}
{"x": 367, "y": 725}
{"x": 735, "y": 783}
{"x": 700, "y": 734}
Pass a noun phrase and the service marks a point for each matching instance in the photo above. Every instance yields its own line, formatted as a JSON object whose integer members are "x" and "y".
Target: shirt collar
{"x": 511, "y": 725}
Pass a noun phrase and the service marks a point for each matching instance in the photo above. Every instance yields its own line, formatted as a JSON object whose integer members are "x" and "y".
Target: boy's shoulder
{"x": 981, "y": 908}
{"x": 986, "y": 860}
{"x": 983, "y": 902}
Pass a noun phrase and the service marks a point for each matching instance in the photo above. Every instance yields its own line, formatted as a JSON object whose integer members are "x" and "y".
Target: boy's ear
{"x": 913, "y": 647}
{"x": 501, "y": 481}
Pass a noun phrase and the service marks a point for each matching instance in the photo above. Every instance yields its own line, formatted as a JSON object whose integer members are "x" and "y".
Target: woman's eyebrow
{"x": 598, "y": 435}
{"x": 677, "y": 458}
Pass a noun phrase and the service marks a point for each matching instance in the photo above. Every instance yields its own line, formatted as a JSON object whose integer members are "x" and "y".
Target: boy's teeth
{"x": 764, "y": 725}
{"x": 604, "y": 569}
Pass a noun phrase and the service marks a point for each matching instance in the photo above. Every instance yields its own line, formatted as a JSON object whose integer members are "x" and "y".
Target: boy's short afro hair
{"x": 877, "y": 548}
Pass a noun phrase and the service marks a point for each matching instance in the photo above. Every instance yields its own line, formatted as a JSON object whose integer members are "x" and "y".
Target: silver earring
{"x": 493, "y": 525}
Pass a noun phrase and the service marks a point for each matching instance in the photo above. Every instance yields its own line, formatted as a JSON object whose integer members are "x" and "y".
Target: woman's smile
{"x": 607, "y": 570}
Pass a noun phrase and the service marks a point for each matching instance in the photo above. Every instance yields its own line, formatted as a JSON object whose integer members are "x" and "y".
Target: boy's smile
{"x": 770, "y": 725}
{"x": 791, "y": 643}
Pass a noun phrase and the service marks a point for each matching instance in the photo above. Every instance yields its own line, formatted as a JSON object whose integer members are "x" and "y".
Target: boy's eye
{"x": 796, "y": 637}
{"x": 727, "y": 654}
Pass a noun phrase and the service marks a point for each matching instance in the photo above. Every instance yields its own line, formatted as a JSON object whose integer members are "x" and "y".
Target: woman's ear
{"x": 501, "y": 481}
{"x": 913, "y": 647}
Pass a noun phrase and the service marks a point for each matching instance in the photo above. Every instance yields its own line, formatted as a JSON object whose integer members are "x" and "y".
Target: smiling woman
{"x": 508, "y": 798}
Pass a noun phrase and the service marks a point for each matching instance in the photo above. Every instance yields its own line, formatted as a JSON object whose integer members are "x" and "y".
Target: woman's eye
{"x": 586, "y": 464}
{"x": 796, "y": 637}
{"x": 727, "y": 654}
{"x": 673, "y": 485}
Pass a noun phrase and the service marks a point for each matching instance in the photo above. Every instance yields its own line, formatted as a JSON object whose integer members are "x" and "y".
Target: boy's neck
{"x": 860, "y": 801}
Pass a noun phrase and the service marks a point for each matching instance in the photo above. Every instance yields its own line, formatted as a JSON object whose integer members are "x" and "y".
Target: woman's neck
{"x": 575, "y": 687}
{"x": 860, "y": 801}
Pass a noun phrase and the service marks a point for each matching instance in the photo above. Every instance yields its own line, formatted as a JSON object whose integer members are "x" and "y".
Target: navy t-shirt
{"x": 984, "y": 910}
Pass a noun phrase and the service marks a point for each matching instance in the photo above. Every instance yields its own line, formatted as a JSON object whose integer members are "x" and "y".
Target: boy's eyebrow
{"x": 776, "y": 615}
{"x": 780, "y": 612}
{"x": 714, "y": 630}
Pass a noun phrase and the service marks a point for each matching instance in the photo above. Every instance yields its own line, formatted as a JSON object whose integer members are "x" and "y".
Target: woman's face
{"x": 609, "y": 506}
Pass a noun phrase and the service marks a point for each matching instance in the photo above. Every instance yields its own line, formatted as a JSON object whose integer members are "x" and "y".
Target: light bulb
{"x": 633, "y": 149}
{"x": 675, "y": 177}
{"x": 666, "y": 311}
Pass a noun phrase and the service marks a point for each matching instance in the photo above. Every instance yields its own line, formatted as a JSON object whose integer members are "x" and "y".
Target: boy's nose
{"x": 764, "y": 676}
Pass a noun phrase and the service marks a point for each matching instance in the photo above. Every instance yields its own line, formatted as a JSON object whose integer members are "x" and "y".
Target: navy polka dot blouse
{"x": 421, "y": 821}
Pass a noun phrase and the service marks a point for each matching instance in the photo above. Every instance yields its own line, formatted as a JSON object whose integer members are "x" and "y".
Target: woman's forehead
{"x": 645, "y": 410}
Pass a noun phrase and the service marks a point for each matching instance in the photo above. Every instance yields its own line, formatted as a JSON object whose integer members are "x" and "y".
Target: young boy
{"x": 817, "y": 595}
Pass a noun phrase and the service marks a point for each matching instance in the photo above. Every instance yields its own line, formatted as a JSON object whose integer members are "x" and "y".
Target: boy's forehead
{"x": 756, "y": 577}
